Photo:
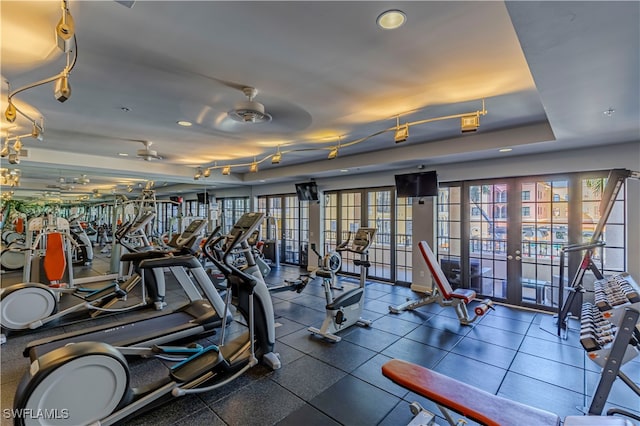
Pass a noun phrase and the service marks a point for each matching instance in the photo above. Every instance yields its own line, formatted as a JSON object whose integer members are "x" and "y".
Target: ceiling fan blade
{"x": 231, "y": 84}
{"x": 126, "y": 3}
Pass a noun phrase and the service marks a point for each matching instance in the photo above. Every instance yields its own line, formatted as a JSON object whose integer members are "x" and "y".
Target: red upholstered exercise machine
{"x": 443, "y": 294}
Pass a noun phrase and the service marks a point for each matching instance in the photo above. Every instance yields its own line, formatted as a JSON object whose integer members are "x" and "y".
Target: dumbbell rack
{"x": 610, "y": 333}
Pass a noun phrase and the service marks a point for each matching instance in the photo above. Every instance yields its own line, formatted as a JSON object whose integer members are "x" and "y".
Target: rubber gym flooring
{"x": 322, "y": 383}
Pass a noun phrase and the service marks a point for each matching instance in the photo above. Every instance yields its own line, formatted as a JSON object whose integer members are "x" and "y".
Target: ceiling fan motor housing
{"x": 249, "y": 112}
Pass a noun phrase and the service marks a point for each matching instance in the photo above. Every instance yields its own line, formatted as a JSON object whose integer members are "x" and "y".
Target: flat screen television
{"x": 203, "y": 198}
{"x": 423, "y": 184}
{"x": 307, "y": 191}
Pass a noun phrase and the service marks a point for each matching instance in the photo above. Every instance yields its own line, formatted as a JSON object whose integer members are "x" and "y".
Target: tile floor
{"x": 322, "y": 383}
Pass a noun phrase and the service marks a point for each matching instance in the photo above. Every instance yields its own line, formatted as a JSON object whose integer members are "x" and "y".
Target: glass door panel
{"x": 544, "y": 231}
{"x": 379, "y": 217}
{"x": 350, "y": 222}
{"x": 487, "y": 271}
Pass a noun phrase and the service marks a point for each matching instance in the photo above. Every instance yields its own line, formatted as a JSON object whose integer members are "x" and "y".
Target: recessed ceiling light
{"x": 123, "y": 154}
{"x": 262, "y": 180}
{"x": 505, "y": 150}
{"x": 344, "y": 170}
{"x": 185, "y": 123}
{"x": 391, "y": 19}
{"x": 609, "y": 112}
{"x": 125, "y": 109}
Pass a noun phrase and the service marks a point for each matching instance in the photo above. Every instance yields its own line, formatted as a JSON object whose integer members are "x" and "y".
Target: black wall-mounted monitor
{"x": 307, "y": 191}
{"x": 424, "y": 184}
{"x": 203, "y": 198}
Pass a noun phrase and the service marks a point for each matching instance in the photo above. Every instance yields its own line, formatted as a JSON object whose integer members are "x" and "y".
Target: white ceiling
{"x": 326, "y": 73}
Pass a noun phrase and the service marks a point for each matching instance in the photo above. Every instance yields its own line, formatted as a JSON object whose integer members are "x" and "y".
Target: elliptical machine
{"x": 346, "y": 310}
{"x": 91, "y": 380}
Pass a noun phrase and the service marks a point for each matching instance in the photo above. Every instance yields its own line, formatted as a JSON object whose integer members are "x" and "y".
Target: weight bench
{"x": 475, "y": 404}
{"x": 443, "y": 294}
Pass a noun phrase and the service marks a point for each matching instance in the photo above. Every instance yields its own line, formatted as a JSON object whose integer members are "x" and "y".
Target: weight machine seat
{"x": 55, "y": 261}
{"x": 473, "y": 403}
{"x": 19, "y": 225}
{"x": 322, "y": 273}
{"x": 467, "y": 295}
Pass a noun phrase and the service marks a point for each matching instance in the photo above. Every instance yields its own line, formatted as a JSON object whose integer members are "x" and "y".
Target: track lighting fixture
{"x": 129, "y": 188}
{"x": 37, "y": 131}
{"x": 14, "y": 158}
{"x": 277, "y": 157}
{"x": 62, "y": 89}
{"x": 333, "y": 153}
{"x": 5, "y": 149}
{"x": 65, "y": 29}
{"x": 198, "y": 174}
{"x": 10, "y": 177}
{"x": 402, "y": 132}
{"x": 470, "y": 123}
{"x": 206, "y": 173}
{"x": 17, "y": 145}
{"x": 10, "y": 113}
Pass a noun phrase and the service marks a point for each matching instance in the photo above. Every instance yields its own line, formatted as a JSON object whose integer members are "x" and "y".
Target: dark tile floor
{"x": 322, "y": 383}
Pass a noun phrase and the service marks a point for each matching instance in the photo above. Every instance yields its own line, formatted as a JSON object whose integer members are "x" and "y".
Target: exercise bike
{"x": 346, "y": 310}
{"x": 328, "y": 267}
{"x": 91, "y": 380}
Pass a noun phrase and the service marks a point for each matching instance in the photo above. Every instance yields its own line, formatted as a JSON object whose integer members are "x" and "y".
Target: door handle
{"x": 509, "y": 257}
{"x": 518, "y": 258}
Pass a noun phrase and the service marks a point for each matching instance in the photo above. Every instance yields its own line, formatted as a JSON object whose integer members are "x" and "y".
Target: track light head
{"x": 37, "y": 131}
{"x": 14, "y": 159}
{"x": 5, "y": 150}
{"x": 65, "y": 30}
{"x": 198, "y": 174}
{"x": 470, "y": 123}
{"x": 206, "y": 173}
{"x": 10, "y": 113}
{"x": 277, "y": 157}
{"x": 333, "y": 153}
{"x": 253, "y": 168}
{"x": 62, "y": 89}
{"x": 17, "y": 145}
{"x": 226, "y": 170}
{"x": 402, "y": 133}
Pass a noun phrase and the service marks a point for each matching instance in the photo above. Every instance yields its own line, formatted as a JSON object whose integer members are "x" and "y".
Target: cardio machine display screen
{"x": 193, "y": 226}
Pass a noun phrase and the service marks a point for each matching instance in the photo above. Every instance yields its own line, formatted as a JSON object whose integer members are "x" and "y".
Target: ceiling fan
{"x": 148, "y": 154}
{"x": 82, "y": 180}
{"x": 62, "y": 185}
{"x": 249, "y": 111}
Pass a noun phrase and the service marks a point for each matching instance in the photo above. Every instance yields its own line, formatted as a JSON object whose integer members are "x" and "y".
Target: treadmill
{"x": 201, "y": 315}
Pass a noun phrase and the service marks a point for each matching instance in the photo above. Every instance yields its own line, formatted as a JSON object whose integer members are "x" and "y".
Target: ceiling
{"x": 327, "y": 75}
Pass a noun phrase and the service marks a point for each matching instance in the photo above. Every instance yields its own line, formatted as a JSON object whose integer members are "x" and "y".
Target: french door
{"x": 516, "y": 229}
